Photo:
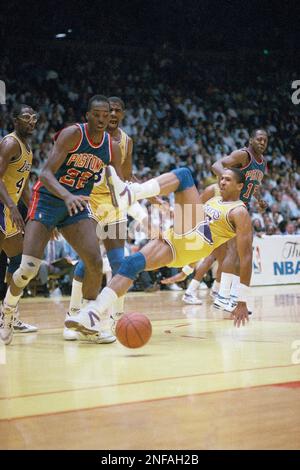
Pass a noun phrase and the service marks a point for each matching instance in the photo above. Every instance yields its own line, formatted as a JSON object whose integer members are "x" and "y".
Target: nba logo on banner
{"x": 256, "y": 260}
{"x": 2, "y": 92}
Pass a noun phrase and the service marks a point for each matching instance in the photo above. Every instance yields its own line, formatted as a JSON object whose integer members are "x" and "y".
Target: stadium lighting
{"x": 60, "y": 35}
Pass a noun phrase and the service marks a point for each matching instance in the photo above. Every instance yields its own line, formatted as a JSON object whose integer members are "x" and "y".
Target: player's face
{"x": 116, "y": 115}
{"x": 98, "y": 116}
{"x": 229, "y": 185}
{"x": 259, "y": 142}
{"x": 26, "y": 121}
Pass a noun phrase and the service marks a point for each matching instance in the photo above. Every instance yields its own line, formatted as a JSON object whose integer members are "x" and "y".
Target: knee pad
{"x": 185, "y": 179}
{"x": 115, "y": 258}
{"x": 14, "y": 263}
{"x": 132, "y": 265}
{"x": 28, "y": 270}
{"x": 79, "y": 269}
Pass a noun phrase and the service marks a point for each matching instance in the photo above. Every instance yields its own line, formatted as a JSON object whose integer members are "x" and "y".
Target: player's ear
{"x": 87, "y": 115}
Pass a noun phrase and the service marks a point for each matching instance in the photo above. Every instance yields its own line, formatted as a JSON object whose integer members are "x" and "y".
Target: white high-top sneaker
{"x": 121, "y": 192}
{"x": 114, "y": 318}
{"x": 20, "y": 326}
{"x": 88, "y": 323}
{"x": 191, "y": 299}
{"x": 230, "y": 307}
{"x": 220, "y": 302}
{"x": 6, "y": 323}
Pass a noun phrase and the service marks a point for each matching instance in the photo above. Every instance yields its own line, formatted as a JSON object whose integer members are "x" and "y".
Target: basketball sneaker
{"x": 20, "y": 326}
{"x": 68, "y": 334}
{"x": 6, "y": 323}
{"x": 114, "y": 318}
{"x": 220, "y": 302}
{"x": 191, "y": 299}
{"x": 102, "y": 337}
{"x": 87, "y": 321}
{"x": 213, "y": 293}
{"x": 122, "y": 193}
{"x": 231, "y": 304}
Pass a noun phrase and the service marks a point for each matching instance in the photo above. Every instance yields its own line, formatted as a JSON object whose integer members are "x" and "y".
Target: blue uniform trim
{"x": 115, "y": 258}
{"x": 132, "y": 265}
{"x": 2, "y": 218}
{"x": 185, "y": 179}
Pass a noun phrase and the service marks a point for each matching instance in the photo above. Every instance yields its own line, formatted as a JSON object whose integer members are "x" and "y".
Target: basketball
{"x": 134, "y": 330}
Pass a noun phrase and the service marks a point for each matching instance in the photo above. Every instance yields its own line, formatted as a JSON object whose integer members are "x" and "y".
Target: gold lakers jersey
{"x": 206, "y": 237}
{"x": 17, "y": 171}
{"x": 101, "y": 205}
{"x": 100, "y": 186}
{"x": 15, "y": 178}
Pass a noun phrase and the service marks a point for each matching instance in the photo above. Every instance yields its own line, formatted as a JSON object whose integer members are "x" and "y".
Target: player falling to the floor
{"x": 197, "y": 231}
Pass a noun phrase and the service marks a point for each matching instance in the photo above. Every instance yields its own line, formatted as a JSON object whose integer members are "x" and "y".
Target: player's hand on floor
{"x": 76, "y": 203}
{"x": 240, "y": 314}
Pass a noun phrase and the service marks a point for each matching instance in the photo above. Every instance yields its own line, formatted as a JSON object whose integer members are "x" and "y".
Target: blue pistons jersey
{"x": 254, "y": 172}
{"x": 83, "y": 165}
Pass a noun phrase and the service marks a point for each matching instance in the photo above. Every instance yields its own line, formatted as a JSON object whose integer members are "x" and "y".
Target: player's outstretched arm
{"x": 67, "y": 140}
{"x": 240, "y": 218}
{"x": 237, "y": 159}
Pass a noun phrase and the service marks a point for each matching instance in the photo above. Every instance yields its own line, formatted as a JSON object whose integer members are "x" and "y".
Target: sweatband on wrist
{"x": 187, "y": 270}
{"x": 243, "y": 293}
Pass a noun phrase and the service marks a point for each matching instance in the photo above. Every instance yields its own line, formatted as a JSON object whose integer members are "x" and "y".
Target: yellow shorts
{"x": 190, "y": 247}
{"x": 6, "y": 226}
{"x": 103, "y": 210}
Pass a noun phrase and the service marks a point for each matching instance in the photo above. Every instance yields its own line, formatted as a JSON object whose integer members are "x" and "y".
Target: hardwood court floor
{"x": 200, "y": 383}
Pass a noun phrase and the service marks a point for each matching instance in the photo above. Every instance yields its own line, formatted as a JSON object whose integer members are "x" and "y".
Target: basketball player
{"x": 110, "y": 222}
{"x": 60, "y": 200}
{"x": 15, "y": 165}
{"x": 197, "y": 231}
{"x": 252, "y": 164}
{"x": 200, "y": 268}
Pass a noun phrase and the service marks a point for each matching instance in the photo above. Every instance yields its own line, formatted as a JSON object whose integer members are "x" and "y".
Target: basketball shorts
{"x": 189, "y": 247}
{"x": 52, "y": 211}
{"x": 103, "y": 210}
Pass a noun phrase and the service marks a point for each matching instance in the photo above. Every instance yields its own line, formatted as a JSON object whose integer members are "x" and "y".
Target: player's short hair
{"x": 17, "y": 109}
{"x": 96, "y": 99}
{"x": 116, "y": 99}
{"x": 239, "y": 176}
{"x": 254, "y": 132}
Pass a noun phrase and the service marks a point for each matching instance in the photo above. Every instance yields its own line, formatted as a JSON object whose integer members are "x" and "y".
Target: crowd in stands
{"x": 181, "y": 110}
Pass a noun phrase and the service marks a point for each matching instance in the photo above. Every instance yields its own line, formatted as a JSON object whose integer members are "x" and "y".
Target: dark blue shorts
{"x": 52, "y": 211}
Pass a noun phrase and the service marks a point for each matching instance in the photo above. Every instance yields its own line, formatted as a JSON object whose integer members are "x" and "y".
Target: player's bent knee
{"x": 185, "y": 178}
{"x": 115, "y": 258}
{"x": 28, "y": 269}
{"x": 132, "y": 265}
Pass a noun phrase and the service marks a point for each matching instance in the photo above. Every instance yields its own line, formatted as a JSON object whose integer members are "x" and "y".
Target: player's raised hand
{"x": 75, "y": 203}
{"x": 240, "y": 314}
{"x": 16, "y": 218}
